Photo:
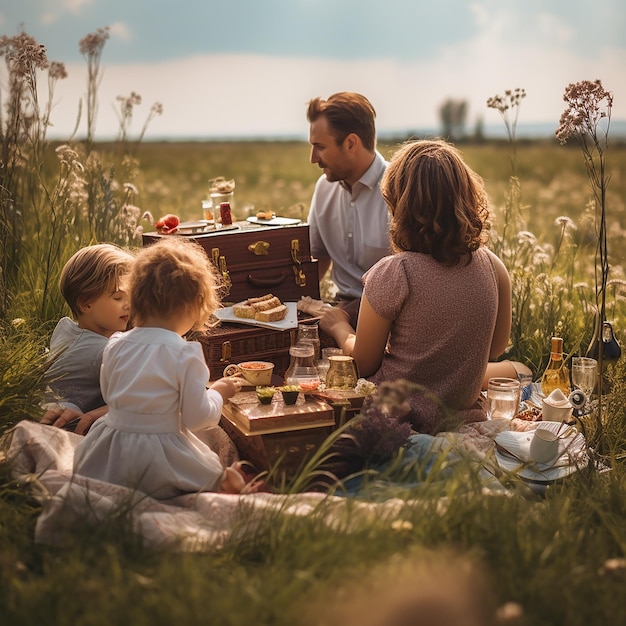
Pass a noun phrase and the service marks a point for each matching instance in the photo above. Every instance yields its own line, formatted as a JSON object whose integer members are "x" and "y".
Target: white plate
{"x": 291, "y": 320}
{"x": 193, "y": 228}
{"x": 275, "y": 221}
{"x": 572, "y": 458}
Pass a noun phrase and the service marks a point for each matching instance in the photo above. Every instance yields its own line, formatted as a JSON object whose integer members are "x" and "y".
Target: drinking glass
{"x": 323, "y": 364}
{"x": 503, "y": 396}
{"x": 584, "y": 374}
{"x": 309, "y": 333}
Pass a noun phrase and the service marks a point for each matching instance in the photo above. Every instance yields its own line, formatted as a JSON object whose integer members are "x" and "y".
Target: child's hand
{"x": 70, "y": 419}
{"x": 228, "y": 386}
{"x": 59, "y": 416}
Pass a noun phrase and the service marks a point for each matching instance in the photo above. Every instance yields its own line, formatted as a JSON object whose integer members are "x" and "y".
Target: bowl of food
{"x": 265, "y": 394}
{"x": 290, "y": 393}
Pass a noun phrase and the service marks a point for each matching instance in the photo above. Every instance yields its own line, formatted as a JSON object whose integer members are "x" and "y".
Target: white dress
{"x": 155, "y": 385}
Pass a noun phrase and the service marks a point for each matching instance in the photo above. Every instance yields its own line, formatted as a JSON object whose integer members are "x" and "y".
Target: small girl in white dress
{"x": 155, "y": 383}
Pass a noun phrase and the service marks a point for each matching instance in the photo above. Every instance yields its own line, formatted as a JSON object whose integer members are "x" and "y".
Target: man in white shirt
{"x": 348, "y": 218}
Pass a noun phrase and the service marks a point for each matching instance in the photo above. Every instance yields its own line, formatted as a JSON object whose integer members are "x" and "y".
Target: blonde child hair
{"x": 174, "y": 274}
{"x": 92, "y": 272}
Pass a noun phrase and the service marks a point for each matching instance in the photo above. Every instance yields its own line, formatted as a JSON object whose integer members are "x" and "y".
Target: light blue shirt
{"x": 74, "y": 374}
{"x": 350, "y": 227}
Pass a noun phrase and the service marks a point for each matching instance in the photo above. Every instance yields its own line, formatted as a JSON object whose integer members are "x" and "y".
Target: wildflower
{"x": 510, "y": 612}
{"x": 93, "y": 43}
{"x": 525, "y": 236}
{"x": 613, "y": 567}
{"x": 587, "y": 103}
{"x": 131, "y": 189}
{"x": 57, "y": 70}
{"x": 565, "y": 223}
{"x": 511, "y": 100}
{"x": 587, "y": 118}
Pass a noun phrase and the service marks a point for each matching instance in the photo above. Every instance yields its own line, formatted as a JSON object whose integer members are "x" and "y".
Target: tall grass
{"x": 552, "y": 560}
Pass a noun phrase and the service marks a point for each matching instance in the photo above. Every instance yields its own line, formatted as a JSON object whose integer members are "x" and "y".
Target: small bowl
{"x": 265, "y": 394}
{"x": 290, "y": 394}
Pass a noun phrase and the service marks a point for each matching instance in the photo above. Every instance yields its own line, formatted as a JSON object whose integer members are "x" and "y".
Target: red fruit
{"x": 168, "y": 224}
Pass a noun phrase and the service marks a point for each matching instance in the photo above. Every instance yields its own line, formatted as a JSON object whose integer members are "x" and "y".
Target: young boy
{"x": 92, "y": 284}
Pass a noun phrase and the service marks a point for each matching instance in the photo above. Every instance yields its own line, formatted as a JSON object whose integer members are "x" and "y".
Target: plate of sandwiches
{"x": 265, "y": 311}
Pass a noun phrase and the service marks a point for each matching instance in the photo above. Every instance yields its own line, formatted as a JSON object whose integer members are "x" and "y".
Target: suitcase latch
{"x": 260, "y": 248}
{"x": 220, "y": 264}
{"x": 225, "y": 273}
{"x": 226, "y": 351}
{"x": 299, "y": 275}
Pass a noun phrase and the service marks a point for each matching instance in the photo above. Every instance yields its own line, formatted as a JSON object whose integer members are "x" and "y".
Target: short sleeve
{"x": 386, "y": 286}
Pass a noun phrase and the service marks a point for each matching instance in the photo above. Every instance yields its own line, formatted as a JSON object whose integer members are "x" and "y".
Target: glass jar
{"x": 323, "y": 364}
{"x": 226, "y": 217}
{"x": 302, "y": 370}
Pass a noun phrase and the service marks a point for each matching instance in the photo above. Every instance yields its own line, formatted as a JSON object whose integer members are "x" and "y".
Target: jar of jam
{"x": 225, "y": 214}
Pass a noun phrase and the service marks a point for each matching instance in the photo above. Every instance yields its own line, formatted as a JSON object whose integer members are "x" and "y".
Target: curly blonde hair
{"x": 438, "y": 203}
{"x": 172, "y": 276}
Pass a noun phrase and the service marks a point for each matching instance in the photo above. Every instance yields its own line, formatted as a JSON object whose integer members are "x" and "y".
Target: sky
{"x": 247, "y": 68}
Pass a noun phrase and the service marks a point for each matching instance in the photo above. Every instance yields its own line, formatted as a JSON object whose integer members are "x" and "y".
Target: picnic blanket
{"x": 42, "y": 457}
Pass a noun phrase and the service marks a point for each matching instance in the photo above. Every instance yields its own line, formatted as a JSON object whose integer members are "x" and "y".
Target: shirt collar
{"x": 373, "y": 174}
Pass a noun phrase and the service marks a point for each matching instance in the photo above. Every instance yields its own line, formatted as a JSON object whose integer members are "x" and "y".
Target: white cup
{"x": 257, "y": 373}
{"x": 544, "y": 446}
{"x": 555, "y": 413}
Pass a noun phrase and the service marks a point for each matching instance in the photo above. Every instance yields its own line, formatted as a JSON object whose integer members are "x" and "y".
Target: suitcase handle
{"x": 267, "y": 282}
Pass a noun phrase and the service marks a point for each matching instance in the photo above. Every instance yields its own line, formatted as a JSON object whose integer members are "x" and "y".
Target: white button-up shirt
{"x": 350, "y": 227}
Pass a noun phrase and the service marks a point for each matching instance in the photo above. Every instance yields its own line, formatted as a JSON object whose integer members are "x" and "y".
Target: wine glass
{"x": 584, "y": 374}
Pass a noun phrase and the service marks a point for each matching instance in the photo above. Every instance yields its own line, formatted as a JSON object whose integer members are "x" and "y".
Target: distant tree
{"x": 479, "y": 129}
{"x": 453, "y": 114}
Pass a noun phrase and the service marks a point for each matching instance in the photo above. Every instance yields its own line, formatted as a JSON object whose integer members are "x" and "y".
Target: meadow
{"x": 519, "y": 558}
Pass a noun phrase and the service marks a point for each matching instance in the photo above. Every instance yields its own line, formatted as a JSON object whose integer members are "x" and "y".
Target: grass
{"x": 548, "y": 555}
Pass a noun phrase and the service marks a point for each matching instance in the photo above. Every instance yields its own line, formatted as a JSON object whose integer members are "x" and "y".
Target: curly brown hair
{"x": 438, "y": 203}
{"x": 172, "y": 276}
{"x": 346, "y": 112}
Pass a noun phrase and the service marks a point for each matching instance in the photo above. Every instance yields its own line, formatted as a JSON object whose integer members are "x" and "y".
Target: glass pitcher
{"x": 342, "y": 373}
{"x": 302, "y": 370}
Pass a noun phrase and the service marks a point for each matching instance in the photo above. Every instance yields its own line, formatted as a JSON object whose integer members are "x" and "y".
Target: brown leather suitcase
{"x": 235, "y": 343}
{"x": 256, "y": 260}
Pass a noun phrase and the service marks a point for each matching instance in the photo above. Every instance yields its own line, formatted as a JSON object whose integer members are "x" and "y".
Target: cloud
{"x": 553, "y": 26}
{"x": 76, "y": 6}
{"x": 505, "y": 46}
{"x": 121, "y": 30}
{"x": 252, "y": 95}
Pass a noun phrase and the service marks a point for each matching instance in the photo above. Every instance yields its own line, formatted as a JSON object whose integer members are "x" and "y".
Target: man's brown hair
{"x": 347, "y": 112}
